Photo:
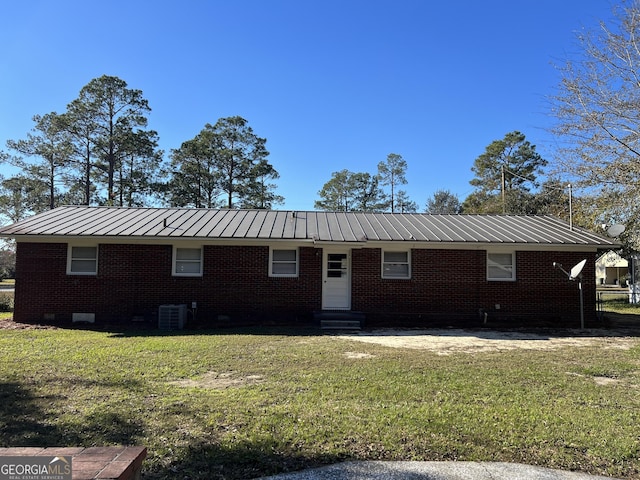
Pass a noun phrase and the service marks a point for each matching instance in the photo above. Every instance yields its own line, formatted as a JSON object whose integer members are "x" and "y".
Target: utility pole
{"x": 570, "y": 208}
{"x": 504, "y": 205}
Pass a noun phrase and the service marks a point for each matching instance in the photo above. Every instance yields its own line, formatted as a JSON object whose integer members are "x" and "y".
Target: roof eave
{"x": 411, "y": 243}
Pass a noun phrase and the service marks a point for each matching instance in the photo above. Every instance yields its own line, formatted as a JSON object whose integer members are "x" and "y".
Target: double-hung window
{"x": 501, "y": 266}
{"x": 283, "y": 262}
{"x": 82, "y": 260}
{"x": 396, "y": 264}
{"x": 187, "y": 262}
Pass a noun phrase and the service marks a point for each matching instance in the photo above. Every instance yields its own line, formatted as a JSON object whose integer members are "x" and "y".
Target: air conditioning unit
{"x": 172, "y": 317}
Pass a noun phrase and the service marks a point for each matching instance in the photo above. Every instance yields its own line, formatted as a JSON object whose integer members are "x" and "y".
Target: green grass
{"x": 621, "y": 305}
{"x": 312, "y": 405}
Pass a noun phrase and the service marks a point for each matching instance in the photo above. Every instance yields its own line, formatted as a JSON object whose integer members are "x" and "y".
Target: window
{"x": 82, "y": 260}
{"x": 187, "y": 262}
{"x": 501, "y": 266}
{"x": 337, "y": 265}
{"x": 283, "y": 263}
{"x": 396, "y": 265}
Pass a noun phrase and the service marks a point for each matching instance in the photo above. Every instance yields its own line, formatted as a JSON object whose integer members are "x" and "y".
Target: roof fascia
{"x": 318, "y": 244}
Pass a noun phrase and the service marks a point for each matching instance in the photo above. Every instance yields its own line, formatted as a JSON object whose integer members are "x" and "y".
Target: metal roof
{"x": 210, "y": 224}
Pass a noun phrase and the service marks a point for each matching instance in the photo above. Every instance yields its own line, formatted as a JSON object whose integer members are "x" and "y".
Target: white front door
{"x": 336, "y": 280}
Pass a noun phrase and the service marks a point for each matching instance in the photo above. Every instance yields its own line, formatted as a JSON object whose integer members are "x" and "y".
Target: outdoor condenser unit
{"x": 172, "y": 317}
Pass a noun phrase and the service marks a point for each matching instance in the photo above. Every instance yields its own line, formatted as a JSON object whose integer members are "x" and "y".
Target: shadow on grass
{"x": 617, "y": 320}
{"x": 243, "y": 461}
{"x": 24, "y": 422}
{"x": 257, "y": 331}
{"x": 617, "y": 326}
{"x": 611, "y": 325}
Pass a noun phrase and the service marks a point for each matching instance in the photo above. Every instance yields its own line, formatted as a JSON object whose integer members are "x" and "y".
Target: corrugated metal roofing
{"x": 171, "y": 223}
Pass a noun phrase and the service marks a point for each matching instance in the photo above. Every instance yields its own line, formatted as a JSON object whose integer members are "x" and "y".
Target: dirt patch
{"x": 358, "y": 355}
{"x": 449, "y": 341}
{"x": 606, "y": 380}
{"x": 9, "y": 324}
{"x": 599, "y": 380}
{"x": 219, "y": 381}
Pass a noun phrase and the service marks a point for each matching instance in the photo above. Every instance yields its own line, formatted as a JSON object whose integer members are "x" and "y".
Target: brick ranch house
{"x": 233, "y": 267}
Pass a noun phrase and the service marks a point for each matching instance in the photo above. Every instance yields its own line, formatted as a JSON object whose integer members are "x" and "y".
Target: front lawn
{"x": 235, "y": 405}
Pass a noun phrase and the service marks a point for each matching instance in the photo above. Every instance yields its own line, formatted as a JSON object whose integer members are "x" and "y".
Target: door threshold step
{"x": 340, "y": 319}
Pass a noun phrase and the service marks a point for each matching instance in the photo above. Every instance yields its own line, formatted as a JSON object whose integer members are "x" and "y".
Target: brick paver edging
{"x": 92, "y": 463}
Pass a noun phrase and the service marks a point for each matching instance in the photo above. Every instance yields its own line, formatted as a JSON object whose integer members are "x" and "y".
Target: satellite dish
{"x": 615, "y": 230}
{"x": 577, "y": 269}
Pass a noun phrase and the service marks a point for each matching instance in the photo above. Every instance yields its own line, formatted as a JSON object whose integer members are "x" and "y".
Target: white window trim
{"x": 408, "y": 252}
{"x": 70, "y": 248}
{"x": 513, "y": 266}
{"x": 290, "y": 275}
{"x": 174, "y": 262}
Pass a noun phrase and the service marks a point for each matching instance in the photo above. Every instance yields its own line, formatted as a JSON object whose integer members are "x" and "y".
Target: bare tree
{"x": 598, "y": 119}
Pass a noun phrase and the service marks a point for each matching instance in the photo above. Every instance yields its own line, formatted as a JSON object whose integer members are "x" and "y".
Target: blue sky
{"x": 330, "y": 84}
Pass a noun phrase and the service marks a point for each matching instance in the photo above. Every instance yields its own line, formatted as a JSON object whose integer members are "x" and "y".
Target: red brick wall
{"x": 450, "y": 286}
{"x": 133, "y": 280}
{"x": 446, "y": 286}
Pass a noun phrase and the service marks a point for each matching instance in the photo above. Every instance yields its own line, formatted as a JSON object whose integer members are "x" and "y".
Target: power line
{"x": 504, "y": 205}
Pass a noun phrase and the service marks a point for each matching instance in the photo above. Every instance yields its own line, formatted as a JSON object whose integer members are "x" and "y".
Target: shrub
{"x": 7, "y": 263}
{"x": 6, "y": 301}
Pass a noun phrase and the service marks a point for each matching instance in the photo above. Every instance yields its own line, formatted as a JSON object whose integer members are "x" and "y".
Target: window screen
{"x": 188, "y": 261}
{"x": 395, "y": 265}
{"x": 500, "y": 266}
{"x": 83, "y": 260}
{"x": 284, "y": 263}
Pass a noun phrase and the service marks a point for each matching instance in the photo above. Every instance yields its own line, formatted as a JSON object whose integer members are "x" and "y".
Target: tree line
{"x": 100, "y": 152}
{"x": 506, "y": 181}
{"x": 364, "y": 192}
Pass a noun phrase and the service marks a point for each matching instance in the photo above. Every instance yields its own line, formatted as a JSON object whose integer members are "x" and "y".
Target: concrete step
{"x": 340, "y": 319}
{"x": 340, "y": 325}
